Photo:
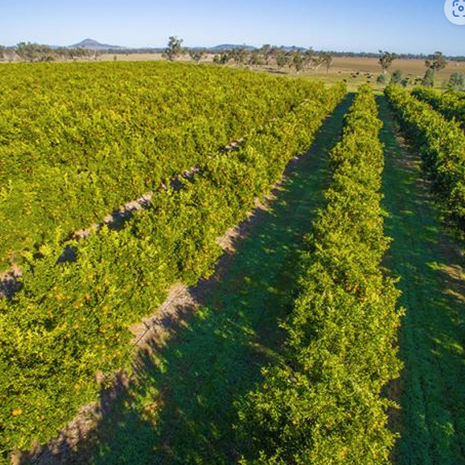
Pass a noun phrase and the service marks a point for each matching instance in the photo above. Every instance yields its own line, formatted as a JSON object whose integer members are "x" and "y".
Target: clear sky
{"x": 417, "y": 26}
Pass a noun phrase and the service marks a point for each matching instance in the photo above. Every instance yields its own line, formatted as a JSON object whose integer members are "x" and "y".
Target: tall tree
{"x": 327, "y": 60}
{"x": 386, "y": 59}
{"x": 436, "y": 62}
{"x": 281, "y": 57}
{"x": 267, "y": 53}
{"x": 239, "y": 55}
{"x": 309, "y": 56}
{"x": 428, "y": 79}
{"x": 28, "y": 51}
{"x": 298, "y": 61}
{"x": 174, "y": 48}
{"x": 256, "y": 58}
{"x": 196, "y": 55}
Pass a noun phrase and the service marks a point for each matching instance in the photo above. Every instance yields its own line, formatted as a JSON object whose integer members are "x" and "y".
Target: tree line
{"x": 33, "y": 53}
{"x": 300, "y": 59}
{"x": 263, "y": 56}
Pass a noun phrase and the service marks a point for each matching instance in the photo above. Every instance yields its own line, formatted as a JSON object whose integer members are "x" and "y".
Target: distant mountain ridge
{"x": 95, "y": 45}
{"x": 219, "y": 48}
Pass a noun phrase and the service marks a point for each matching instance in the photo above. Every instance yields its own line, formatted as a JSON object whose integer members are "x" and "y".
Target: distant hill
{"x": 219, "y": 48}
{"x": 293, "y": 48}
{"x": 94, "y": 45}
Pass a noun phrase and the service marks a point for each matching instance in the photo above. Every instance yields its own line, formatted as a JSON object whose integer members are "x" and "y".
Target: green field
{"x": 302, "y": 247}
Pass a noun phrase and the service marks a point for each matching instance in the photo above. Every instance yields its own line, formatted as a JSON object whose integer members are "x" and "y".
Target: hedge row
{"x": 71, "y": 319}
{"x": 322, "y": 404}
{"x": 451, "y": 103}
{"x": 441, "y": 144}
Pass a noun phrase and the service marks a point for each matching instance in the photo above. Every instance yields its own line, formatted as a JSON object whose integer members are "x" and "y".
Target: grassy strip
{"x": 323, "y": 403}
{"x": 441, "y": 144}
{"x": 71, "y": 319}
{"x": 451, "y": 103}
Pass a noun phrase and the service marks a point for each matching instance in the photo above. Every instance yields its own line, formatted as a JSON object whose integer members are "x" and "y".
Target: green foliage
{"x": 28, "y": 51}
{"x": 174, "y": 49}
{"x": 436, "y": 62}
{"x": 239, "y": 55}
{"x": 326, "y": 59}
{"x": 256, "y": 58}
{"x": 70, "y": 320}
{"x": 298, "y": 61}
{"x": 456, "y": 81}
{"x": 428, "y": 78}
{"x": 397, "y": 76}
{"x": 282, "y": 58}
{"x": 432, "y": 414}
{"x": 79, "y": 140}
{"x": 440, "y": 142}
{"x": 386, "y": 59}
{"x": 450, "y": 104}
{"x": 323, "y": 403}
{"x": 196, "y": 55}
{"x": 382, "y": 79}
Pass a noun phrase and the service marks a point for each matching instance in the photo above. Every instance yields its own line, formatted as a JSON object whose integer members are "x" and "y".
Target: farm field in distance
{"x": 341, "y": 68}
{"x": 201, "y": 264}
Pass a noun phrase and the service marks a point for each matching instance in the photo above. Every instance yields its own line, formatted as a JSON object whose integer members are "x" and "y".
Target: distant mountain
{"x": 227, "y": 47}
{"x": 94, "y": 45}
{"x": 294, "y": 48}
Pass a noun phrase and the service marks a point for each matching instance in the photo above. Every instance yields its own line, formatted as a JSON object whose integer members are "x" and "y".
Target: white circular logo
{"x": 455, "y": 11}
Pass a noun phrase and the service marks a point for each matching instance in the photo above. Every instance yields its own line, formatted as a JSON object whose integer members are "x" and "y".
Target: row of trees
{"x": 32, "y": 52}
{"x": 264, "y": 56}
{"x": 435, "y": 62}
{"x": 456, "y": 80}
{"x": 296, "y": 58}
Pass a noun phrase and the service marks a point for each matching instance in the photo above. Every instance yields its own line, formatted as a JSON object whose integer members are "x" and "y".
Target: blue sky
{"x": 359, "y": 25}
